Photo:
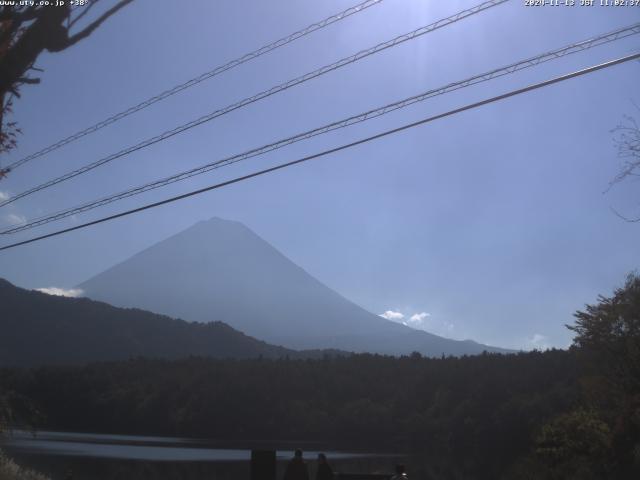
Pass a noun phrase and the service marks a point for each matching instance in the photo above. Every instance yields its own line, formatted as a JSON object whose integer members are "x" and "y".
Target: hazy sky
{"x": 493, "y": 222}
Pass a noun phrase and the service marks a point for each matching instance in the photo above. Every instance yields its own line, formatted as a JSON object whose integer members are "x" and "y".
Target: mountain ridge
{"x": 40, "y": 329}
{"x": 222, "y": 269}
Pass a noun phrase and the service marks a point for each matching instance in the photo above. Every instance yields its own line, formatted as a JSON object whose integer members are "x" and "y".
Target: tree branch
{"x": 95, "y": 24}
{"x": 626, "y": 219}
{"x": 82, "y": 14}
{"x": 29, "y": 81}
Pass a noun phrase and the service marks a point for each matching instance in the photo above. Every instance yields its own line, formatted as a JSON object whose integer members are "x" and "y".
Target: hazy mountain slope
{"x": 221, "y": 270}
{"x": 40, "y": 329}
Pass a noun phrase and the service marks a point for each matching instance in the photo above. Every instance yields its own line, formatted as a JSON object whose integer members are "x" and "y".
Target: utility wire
{"x": 266, "y": 93}
{"x": 362, "y": 117}
{"x": 194, "y": 81}
{"x": 470, "y": 106}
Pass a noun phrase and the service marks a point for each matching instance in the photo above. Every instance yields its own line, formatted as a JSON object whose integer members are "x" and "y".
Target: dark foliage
{"x": 609, "y": 336}
{"x": 608, "y": 340}
{"x": 599, "y": 438}
{"x": 484, "y": 410}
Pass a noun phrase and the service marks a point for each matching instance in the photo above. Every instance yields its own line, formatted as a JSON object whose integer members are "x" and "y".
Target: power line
{"x": 264, "y": 94}
{"x": 362, "y": 117}
{"x": 471, "y": 106}
{"x": 201, "y": 78}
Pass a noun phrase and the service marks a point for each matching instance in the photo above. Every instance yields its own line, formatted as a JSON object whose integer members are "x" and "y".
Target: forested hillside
{"x": 39, "y": 329}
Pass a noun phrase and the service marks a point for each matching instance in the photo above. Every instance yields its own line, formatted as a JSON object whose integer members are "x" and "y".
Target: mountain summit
{"x": 219, "y": 270}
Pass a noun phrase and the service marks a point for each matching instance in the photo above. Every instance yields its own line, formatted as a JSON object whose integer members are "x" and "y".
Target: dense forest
{"x": 546, "y": 415}
{"x": 479, "y": 408}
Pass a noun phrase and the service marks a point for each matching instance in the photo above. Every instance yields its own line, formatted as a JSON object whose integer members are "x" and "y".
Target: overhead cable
{"x": 264, "y": 94}
{"x": 362, "y": 117}
{"x": 471, "y": 106}
{"x": 194, "y": 81}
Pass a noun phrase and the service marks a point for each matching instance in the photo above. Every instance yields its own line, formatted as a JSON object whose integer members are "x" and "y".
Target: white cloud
{"x": 538, "y": 342}
{"x": 3, "y": 196}
{"x": 393, "y": 316}
{"x": 419, "y": 317}
{"x": 422, "y": 321}
{"x": 62, "y": 292}
{"x": 14, "y": 219}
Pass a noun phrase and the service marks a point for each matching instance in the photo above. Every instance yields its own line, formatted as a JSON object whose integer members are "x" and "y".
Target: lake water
{"x": 107, "y": 457}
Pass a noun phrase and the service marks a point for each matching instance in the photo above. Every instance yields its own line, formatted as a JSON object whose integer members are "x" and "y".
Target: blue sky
{"x": 493, "y": 222}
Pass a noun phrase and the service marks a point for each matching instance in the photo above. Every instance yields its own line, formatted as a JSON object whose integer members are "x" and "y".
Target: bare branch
{"x": 29, "y": 81}
{"x": 82, "y": 13}
{"x": 626, "y": 219}
{"x": 627, "y": 143}
{"x": 95, "y": 24}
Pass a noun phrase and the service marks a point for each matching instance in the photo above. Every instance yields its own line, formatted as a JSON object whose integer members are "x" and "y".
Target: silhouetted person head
{"x": 399, "y": 469}
{"x": 323, "y": 472}
{"x": 297, "y": 468}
